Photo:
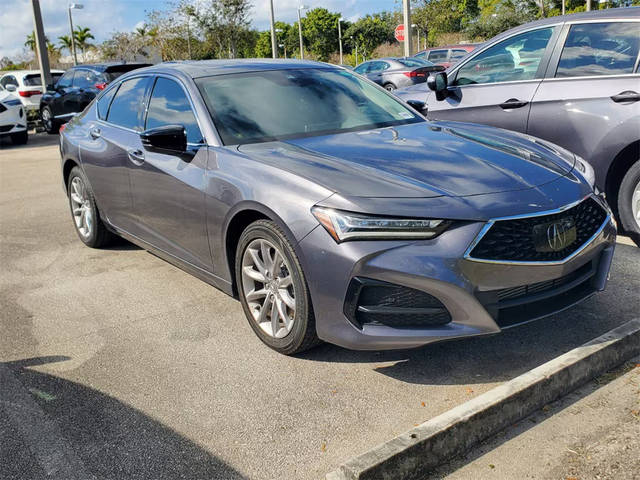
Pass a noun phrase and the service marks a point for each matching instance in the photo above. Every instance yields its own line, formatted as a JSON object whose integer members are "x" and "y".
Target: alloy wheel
{"x": 635, "y": 204}
{"x": 268, "y": 288}
{"x": 81, "y": 207}
{"x": 46, "y": 119}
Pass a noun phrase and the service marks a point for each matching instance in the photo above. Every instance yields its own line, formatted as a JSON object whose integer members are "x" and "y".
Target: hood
{"x": 426, "y": 159}
{"x": 4, "y": 95}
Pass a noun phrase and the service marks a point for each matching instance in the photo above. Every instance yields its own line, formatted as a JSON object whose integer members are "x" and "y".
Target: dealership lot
{"x": 135, "y": 366}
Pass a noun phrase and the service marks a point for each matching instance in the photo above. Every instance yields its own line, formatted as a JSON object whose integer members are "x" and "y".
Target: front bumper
{"x": 469, "y": 290}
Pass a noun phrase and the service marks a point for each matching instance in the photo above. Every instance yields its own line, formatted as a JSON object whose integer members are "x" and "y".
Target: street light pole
{"x": 340, "y": 38}
{"x": 301, "y": 7}
{"x": 406, "y": 12}
{"x": 588, "y": 5}
{"x": 41, "y": 45}
{"x": 73, "y": 40}
{"x": 274, "y": 51}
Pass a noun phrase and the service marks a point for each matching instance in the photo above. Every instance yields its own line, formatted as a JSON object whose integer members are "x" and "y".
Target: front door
{"x": 168, "y": 188}
{"x": 496, "y": 86}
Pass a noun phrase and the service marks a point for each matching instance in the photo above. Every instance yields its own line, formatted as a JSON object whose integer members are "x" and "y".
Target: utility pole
{"x": 406, "y": 12}
{"x": 73, "y": 38}
{"x": 417, "y": 30}
{"x": 41, "y": 45}
{"x": 340, "y": 38}
{"x": 274, "y": 45}
{"x": 563, "y": 7}
{"x": 588, "y": 5}
{"x": 301, "y": 7}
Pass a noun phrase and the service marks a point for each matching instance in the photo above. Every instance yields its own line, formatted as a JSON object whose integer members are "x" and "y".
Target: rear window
{"x": 114, "y": 72}
{"x": 414, "y": 62}
{"x": 437, "y": 55}
{"x": 34, "y": 80}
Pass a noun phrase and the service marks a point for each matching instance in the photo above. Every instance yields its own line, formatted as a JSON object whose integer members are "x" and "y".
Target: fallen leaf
{"x": 469, "y": 390}
{"x": 422, "y": 403}
{"x": 546, "y": 408}
{"x": 333, "y": 392}
{"x": 323, "y": 447}
{"x": 491, "y": 465}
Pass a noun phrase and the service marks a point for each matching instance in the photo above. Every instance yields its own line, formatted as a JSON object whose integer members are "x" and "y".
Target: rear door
{"x": 63, "y": 102}
{"x": 84, "y": 84}
{"x": 589, "y": 101}
{"x": 496, "y": 86}
{"x": 168, "y": 188}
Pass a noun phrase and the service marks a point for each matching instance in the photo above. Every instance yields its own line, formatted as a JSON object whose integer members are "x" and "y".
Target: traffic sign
{"x": 399, "y": 33}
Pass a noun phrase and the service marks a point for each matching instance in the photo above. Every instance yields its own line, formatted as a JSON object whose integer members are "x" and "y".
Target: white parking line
{"x": 39, "y": 432}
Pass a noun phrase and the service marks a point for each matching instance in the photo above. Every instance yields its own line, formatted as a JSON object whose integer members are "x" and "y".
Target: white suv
{"x": 28, "y": 86}
{"x": 13, "y": 120}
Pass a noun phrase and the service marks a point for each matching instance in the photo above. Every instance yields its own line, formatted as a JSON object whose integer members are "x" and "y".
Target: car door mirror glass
{"x": 11, "y": 88}
{"x": 438, "y": 83}
{"x": 167, "y": 138}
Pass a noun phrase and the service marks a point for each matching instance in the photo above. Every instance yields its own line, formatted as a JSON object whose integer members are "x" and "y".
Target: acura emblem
{"x": 555, "y": 236}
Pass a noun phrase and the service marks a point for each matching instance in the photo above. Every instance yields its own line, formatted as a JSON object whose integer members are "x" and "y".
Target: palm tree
{"x": 65, "y": 42}
{"x": 31, "y": 41}
{"x": 142, "y": 31}
{"x": 81, "y": 36}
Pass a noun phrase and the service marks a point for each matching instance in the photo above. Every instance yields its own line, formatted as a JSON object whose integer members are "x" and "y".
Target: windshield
{"x": 284, "y": 104}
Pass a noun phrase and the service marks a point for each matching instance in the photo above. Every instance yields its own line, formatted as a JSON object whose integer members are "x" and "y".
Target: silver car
{"x": 571, "y": 80}
{"x": 400, "y": 72}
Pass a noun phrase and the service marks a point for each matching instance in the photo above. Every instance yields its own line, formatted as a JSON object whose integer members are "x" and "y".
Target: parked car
{"x": 448, "y": 55}
{"x": 76, "y": 88}
{"x": 13, "y": 119}
{"x": 28, "y": 85}
{"x": 332, "y": 210}
{"x": 394, "y": 73}
{"x": 571, "y": 80}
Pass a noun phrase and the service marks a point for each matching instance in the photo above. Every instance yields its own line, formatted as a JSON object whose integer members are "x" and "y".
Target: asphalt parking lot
{"x": 136, "y": 369}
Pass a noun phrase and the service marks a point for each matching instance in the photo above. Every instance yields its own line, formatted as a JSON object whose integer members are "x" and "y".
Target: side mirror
{"x": 418, "y": 105}
{"x": 11, "y": 88}
{"x": 438, "y": 83}
{"x": 168, "y": 138}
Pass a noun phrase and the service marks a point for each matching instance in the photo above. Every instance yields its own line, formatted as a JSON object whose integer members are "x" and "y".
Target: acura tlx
{"x": 332, "y": 210}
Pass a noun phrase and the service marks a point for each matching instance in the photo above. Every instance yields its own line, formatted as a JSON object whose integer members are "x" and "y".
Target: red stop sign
{"x": 399, "y": 33}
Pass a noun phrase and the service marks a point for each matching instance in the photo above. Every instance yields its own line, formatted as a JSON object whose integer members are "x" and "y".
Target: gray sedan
{"x": 394, "y": 73}
{"x": 330, "y": 209}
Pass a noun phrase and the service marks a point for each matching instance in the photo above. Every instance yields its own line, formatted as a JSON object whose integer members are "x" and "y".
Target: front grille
{"x": 2, "y": 108}
{"x": 6, "y": 128}
{"x": 516, "y": 305}
{"x": 515, "y": 240}
{"x": 372, "y": 302}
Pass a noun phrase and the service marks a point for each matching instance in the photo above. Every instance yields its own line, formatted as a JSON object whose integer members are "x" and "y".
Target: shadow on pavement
{"x": 35, "y": 140}
{"x": 110, "y": 438}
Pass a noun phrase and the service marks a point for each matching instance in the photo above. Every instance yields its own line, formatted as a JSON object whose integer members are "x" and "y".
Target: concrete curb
{"x": 411, "y": 454}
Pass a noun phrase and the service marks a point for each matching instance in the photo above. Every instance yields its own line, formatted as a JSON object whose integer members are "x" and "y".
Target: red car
{"x": 447, "y": 55}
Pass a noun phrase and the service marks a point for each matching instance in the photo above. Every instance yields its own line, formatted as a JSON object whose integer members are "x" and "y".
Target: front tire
{"x": 84, "y": 211}
{"x": 629, "y": 202}
{"x": 19, "y": 138}
{"x": 48, "y": 122}
{"x": 389, "y": 87}
{"x": 273, "y": 290}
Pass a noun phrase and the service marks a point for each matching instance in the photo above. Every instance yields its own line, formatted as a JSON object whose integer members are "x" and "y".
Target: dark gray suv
{"x": 571, "y": 80}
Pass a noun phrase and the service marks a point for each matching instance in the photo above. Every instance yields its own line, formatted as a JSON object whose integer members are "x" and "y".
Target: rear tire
{"x": 48, "y": 122}
{"x": 629, "y": 202}
{"x": 19, "y": 138}
{"x": 84, "y": 211}
{"x": 390, "y": 87}
{"x": 270, "y": 282}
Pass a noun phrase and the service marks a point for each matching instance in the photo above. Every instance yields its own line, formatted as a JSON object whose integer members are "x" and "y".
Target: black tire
{"x": 302, "y": 335}
{"x": 19, "y": 138}
{"x": 51, "y": 126}
{"x": 97, "y": 235}
{"x": 630, "y": 183}
{"x": 390, "y": 87}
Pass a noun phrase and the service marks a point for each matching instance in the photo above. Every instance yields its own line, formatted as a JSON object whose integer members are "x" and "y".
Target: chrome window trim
{"x": 491, "y": 222}
{"x": 593, "y": 77}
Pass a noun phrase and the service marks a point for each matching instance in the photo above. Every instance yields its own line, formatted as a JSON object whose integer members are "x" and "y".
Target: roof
{"x": 106, "y": 65}
{"x": 28, "y": 72}
{"x": 205, "y": 68}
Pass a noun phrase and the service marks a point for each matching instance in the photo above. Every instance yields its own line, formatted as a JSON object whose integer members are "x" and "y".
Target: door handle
{"x": 512, "y": 103}
{"x": 95, "y": 133}
{"x": 626, "y": 96}
{"x": 136, "y": 156}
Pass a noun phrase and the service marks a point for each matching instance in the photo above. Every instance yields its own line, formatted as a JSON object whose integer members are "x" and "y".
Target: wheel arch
{"x": 66, "y": 171}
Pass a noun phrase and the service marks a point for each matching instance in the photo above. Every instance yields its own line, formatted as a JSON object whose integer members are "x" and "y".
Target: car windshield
{"x": 414, "y": 62}
{"x": 285, "y": 104}
{"x": 34, "y": 80}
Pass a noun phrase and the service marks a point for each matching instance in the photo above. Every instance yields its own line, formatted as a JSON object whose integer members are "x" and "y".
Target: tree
{"x": 371, "y": 31}
{"x": 263, "y": 41}
{"x": 81, "y": 36}
{"x": 65, "y": 42}
{"x": 320, "y": 30}
{"x": 224, "y": 25}
{"x": 31, "y": 41}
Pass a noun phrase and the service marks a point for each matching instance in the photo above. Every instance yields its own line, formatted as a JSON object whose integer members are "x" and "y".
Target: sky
{"x": 106, "y": 16}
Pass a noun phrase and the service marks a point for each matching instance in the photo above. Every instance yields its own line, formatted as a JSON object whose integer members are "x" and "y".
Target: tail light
{"x": 414, "y": 74}
{"x": 101, "y": 85}
{"x": 62, "y": 127}
{"x": 28, "y": 93}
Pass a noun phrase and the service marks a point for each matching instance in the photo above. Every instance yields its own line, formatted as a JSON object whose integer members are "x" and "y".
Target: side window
{"x": 170, "y": 105}
{"x": 458, "y": 53}
{"x": 65, "y": 80}
{"x": 127, "y": 104}
{"x": 516, "y": 58}
{"x": 104, "y": 101}
{"x": 600, "y": 49}
{"x": 378, "y": 66}
{"x": 84, "y": 79}
{"x": 438, "y": 56}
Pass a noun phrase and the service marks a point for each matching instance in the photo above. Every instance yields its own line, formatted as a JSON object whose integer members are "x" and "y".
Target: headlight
{"x": 343, "y": 226}
{"x": 586, "y": 170}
